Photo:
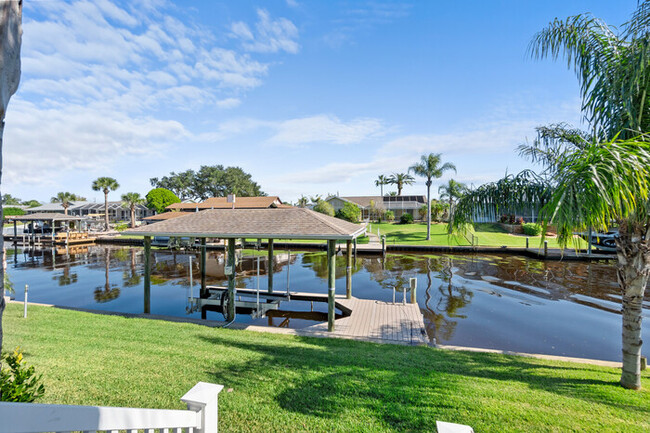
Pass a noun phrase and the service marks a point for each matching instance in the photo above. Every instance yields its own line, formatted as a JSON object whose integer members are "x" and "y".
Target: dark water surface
{"x": 490, "y": 301}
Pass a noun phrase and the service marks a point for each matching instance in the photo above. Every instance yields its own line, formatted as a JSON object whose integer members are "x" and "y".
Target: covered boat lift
{"x": 44, "y": 217}
{"x": 270, "y": 224}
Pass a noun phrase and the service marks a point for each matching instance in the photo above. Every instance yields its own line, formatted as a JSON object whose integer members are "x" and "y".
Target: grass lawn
{"x": 488, "y": 235}
{"x": 291, "y": 384}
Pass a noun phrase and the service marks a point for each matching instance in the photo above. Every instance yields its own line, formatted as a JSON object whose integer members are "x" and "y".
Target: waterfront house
{"x": 399, "y": 204}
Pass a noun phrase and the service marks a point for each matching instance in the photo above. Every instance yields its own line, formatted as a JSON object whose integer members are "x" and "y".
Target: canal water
{"x": 490, "y": 301}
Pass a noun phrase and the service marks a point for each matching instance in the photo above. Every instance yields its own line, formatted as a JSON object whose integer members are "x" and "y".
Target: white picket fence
{"x": 201, "y": 416}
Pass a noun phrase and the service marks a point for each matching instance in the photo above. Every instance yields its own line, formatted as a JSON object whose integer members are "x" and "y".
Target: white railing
{"x": 201, "y": 416}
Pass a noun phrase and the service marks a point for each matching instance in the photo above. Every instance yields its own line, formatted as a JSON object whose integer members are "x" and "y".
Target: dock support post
{"x": 414, "y": 287}
{"x": 526, "y": 242}
{"x": 545, "y": 248}
{"x": 147, "y": 274}
{"x": 230, "y": 263}
{"x": 589, "y": 240}
{"x": 355, "y": 252}
{"x": 15, "y": 231}
{"x": 203, "y": 260}
{"x": 383, "y": 245}
{"x": 331, "y": 280}
{"x": 269, "y": 266}
{"x": 348, "y": 269}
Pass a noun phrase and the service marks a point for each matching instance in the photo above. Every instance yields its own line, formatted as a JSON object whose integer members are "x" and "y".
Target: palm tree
{"x": 105, "y": 184}
{"x": 612, "y": 68}
{"x": 302, "y": 201}
{"x": 401, "y": 179}
{"x": 380, "y": 182}
{"x": 451, "y": 191}
{"x": 64, "y": 198}
{"x": 131, "y": 200}
{"x": 429, "y": 167}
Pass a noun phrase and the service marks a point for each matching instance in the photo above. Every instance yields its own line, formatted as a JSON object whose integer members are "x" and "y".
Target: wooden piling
{"x": 203, "y": 292}
{"x": 348, "y": 269}
{"x": 230, "y": 263}
{"x": 414, "y": 287}
{"x": 147, "y": 274}
{"x": 331, "y": 280}
{"x": 269, "y": 267}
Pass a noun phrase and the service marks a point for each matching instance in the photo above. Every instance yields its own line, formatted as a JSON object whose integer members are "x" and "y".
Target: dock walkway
{"x": 369, "y": 320}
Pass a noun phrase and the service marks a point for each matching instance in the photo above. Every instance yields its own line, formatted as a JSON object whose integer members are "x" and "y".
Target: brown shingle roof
{"x": 278, "y": 223}
{"x": 45, "y": 216}
{"x": 222, "y": 203}
{"x": 165, "y": 216}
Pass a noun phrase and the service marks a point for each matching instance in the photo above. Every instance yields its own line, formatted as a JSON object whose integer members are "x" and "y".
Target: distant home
{"x": 116, "y": 210}
{"x": 222, "y": 203}
{"x": 399, "y": 204}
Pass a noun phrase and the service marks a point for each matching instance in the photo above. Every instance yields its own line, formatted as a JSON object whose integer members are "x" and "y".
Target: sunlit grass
{"x": 294, "y": 384}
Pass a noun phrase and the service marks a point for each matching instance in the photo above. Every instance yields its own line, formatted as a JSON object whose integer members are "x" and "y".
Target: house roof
{"x": 272, "y": 223}
{"x": 387, "y": 201}
{"x": 46, "y": 216}
{"x": 222, "y": 203}
{"x": 166, "y": 216}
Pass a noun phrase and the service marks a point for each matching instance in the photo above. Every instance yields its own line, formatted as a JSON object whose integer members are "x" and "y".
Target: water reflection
{"x": 501, "y": 302}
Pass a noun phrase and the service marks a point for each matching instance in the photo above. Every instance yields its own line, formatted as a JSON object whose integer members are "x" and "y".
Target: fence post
{"x": 25, "y": 306}
{"x": 203, "y": 398}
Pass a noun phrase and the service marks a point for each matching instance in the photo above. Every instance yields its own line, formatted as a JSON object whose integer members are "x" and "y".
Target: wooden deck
{"x": 369, "y": 320}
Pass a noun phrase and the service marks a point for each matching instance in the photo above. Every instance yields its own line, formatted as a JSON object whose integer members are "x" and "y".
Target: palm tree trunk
{"x": 428, "y": 209}
{"x": 632, "y": 271}
{"x": 2, "y": 271}
{"x": 106, "y": 209}
{"x": 381, "y": 189}
{"x": 133, "y": 216}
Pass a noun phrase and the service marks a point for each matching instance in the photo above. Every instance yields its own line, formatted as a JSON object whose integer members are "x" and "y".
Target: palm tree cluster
{"x": 601, "y": 178}
{"x": 66, "y": 198}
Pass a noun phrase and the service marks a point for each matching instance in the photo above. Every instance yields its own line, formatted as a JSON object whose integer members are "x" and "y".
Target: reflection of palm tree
{"x": 108, "y": 293}
{"x": 66, "y": 278}
{"x": 131, "y": 278}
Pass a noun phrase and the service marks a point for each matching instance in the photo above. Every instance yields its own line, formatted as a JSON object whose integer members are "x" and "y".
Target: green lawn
{"x": 292, "y": 384}
{"x": 488, "y": 235}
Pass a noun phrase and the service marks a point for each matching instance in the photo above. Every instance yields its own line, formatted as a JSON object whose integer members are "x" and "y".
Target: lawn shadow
{"x": 327, "y": 377}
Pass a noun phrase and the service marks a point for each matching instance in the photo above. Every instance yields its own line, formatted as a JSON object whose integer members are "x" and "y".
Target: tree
{"x": 349, "y": 212}
{"x": 11, "y": 14}
{"x": 64, "y": 198}
{"x": 31, "y": 203}
{"x": 437, "y": 209}
{"x": 380, "y": 182}
{"x": 106, "y": 185}
{"x": 613, "y": 71}
{"x": 401, "y": 179}
{"x": 451, "y": 191}
{"x": 612, "y": 68}
{"x": 324, "y": 207}
{"x": 131, "y": 200}
{"x": 302, "y": 201}
{"x": 429, "y": 167}
{"x": 209, "y": 181}
{"x": 7, "y": 199}
{"x": 159, "y": 198}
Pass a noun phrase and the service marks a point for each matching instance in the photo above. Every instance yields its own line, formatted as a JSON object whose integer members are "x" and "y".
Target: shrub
{"x": 8, "y": 211}
{"x": 532, "y": 229}
{"x": 520, "y": 220}
{"x": 349, "y": 212}
{"x": 324, "y": 207}
{"x": 159, "y": 198}
{"x": 423, "y": 211}
{"x": 389, "y": 215}
{"x": 121, "y": 227}
{"x": 406, "y": 218}
{"x": 19, "y": 383}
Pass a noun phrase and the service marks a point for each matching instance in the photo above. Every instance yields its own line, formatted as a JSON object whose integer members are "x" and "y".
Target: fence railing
{"x": 201, "y": 416}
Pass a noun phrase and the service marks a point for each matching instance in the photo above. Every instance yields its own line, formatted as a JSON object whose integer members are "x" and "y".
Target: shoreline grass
{"x": 288, "y": 383}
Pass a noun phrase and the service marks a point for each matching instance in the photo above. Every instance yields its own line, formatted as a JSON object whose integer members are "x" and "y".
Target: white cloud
{"x": 101, "y": 78}
{"x": 324, "y": 128}
{"x": 270, "y": 35}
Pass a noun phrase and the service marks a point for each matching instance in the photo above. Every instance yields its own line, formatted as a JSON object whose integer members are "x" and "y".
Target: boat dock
{"x": 359, "y": 319}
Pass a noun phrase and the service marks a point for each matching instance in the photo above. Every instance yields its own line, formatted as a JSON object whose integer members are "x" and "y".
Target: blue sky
{"x": 310, "y": 97}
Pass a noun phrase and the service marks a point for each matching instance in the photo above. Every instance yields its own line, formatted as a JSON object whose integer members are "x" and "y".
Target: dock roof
{"x": 46, "y": 216}
{"x": 272, "y": 223}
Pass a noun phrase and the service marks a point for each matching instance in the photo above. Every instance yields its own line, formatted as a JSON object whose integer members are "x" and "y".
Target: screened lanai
{"x": 263, "y": 224}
